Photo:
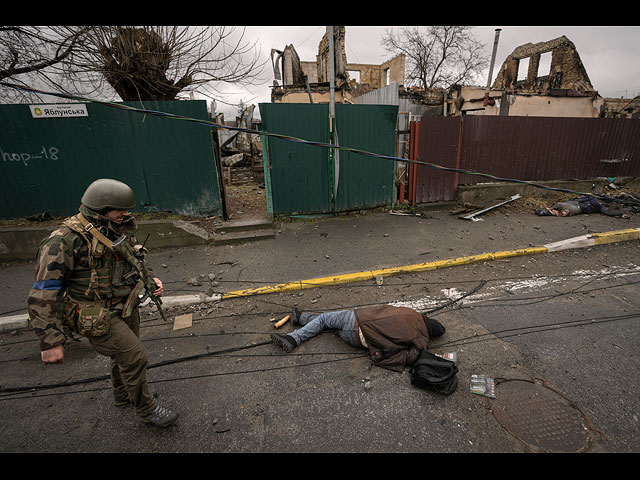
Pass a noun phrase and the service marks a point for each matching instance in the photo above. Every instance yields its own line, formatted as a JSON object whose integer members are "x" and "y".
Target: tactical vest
{"x": 107, "y": 279}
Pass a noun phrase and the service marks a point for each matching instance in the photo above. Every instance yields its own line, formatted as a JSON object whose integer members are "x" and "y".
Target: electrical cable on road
{"x": 535, "y": 299}
{"x": 599, "y": 276}
{"x": 514, "y": 332}
{"x": 9, "y": 393}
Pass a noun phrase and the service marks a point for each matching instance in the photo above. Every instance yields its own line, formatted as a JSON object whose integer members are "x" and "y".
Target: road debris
{"x": 483, "y": 385}
{"x": 280, "y": 322}
{"x": 472, "y": 216}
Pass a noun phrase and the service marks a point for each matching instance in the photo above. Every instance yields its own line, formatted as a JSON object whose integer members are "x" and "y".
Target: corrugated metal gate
{"x": 307, "y": 179}
{"x": 523, "y": 148}
{"x": 47, "y": 163}
{"x": 297, "y": 175}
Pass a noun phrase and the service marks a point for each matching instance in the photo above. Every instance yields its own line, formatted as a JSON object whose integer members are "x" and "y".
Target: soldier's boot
{"x": 160, "y": 416}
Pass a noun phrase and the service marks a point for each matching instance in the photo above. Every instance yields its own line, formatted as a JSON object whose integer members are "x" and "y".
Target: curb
{"x": 385, "y": 272}
{"x": 18, "y": 322}
{"x": 576, "y": 242}
{"x": 594, "y": 239}
{"x": 22, "y": 243}
{"x": 21, "y": 321}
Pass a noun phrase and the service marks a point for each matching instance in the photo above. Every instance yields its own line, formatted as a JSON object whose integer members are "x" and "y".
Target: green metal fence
{"x": 297, "y": 175}
{"x": 46, "y": 162}
{"x": 308, "y": 179}
{"x": 365, "y": 181}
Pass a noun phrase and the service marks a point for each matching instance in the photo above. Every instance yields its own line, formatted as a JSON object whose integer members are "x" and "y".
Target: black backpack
{"x": 431, "y": 372}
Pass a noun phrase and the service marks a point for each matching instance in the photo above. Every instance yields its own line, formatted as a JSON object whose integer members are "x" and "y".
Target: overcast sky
{"x": 611, "y": 55}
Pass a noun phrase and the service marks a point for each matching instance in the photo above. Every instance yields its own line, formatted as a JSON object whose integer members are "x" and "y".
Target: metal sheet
{"x": 524, "y": 148}
{"x": 542, "y": 148}
{"x": 299, "y": 174}
{"x": 302, "y": 179}
{"x": 438, "y": 144}
{"x": 170, "y": 165}
{"x": 366, "y": 181}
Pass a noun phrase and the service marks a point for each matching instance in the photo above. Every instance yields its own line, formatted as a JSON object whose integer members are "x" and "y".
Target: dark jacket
{"x": 394, "y": 335}
{"x": 586, "y": 204}
{"x": 591, "y": 205}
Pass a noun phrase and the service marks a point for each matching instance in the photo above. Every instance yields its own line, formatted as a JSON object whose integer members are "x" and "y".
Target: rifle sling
{"x": 89, "y": 228}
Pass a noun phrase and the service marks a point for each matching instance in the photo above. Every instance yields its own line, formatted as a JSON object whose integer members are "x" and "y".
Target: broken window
{"x": 544, "y": 66}
{"x": 523, "y": 69}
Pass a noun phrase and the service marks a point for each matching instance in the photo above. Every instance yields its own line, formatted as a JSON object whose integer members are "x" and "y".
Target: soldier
{"x": 84, "y": 284}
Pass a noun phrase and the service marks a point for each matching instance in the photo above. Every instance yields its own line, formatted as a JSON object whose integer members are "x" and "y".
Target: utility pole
{"x": 332, "y": 75}
{"x": 332, "y": 114}
{"x": 493, "y": 59}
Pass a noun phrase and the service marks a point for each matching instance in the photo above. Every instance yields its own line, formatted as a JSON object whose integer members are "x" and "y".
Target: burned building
{"x": 552, "y": 67}
{"x": 298, "y": 81}
{"x": 536, "y": 79}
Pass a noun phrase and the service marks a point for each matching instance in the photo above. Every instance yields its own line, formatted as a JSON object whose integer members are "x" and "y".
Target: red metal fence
{"x": 522, "y": 148}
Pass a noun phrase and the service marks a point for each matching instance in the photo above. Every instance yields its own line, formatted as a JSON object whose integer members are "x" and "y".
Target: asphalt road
{"x": 565, "y": 322}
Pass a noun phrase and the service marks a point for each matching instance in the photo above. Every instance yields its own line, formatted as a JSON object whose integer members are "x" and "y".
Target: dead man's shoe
{"x": 160, "y": 416}
{"x": 285, "y": 342}
{"x": 295, "y": 316}
{"x": 299, "y": 318}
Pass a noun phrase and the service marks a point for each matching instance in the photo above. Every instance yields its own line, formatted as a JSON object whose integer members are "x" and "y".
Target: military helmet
{"x": 108, "y": 193}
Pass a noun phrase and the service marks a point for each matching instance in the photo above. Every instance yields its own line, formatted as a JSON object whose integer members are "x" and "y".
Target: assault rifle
{"x": 133, "y": 257}
{"x": 136, "y": 260}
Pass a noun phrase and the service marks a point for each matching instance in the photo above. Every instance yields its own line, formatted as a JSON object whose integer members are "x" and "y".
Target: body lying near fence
{"x": 580, "y": 205}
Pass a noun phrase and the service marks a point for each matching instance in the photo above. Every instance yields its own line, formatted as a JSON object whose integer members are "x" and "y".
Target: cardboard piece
{"x": 183, "y": 321}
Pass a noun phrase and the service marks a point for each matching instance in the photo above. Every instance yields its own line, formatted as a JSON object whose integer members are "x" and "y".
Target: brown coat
{"x": 394, "y": 335}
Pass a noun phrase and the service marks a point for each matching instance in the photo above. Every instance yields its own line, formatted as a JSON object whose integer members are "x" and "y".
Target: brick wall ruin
{"x": 566, "y": 72}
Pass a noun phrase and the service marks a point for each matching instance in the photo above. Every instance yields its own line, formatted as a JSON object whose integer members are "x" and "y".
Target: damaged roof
{"x": 565, "y": 73}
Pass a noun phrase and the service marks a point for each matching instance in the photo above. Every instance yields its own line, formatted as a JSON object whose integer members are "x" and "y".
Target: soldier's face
{"x": 116, "y": 216}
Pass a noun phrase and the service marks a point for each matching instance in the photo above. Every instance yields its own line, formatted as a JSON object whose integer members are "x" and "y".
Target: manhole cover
{"x": 540, "y": 417}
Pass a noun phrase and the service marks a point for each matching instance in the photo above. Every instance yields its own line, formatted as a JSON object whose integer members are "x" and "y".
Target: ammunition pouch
{"x": 93, "y": 321}
{"x": 89, "y": 319}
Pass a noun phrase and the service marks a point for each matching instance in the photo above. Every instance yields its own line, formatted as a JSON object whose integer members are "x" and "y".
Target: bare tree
{"x": 163, "y": 62}
{"x": 33, "y": 56}
{"x": 438, "y": 56}
{"x": 127, "y": 62}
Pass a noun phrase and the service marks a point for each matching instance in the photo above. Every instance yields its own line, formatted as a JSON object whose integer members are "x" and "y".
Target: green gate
{"x": 365, "y": 181}
{"x": 49, "y": 158}
{"x": 297, "y": 175}
{"x": 302, "y": 178}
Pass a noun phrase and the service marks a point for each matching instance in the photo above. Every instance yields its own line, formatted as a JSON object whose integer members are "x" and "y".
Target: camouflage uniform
{"x": 82, "y": 286}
